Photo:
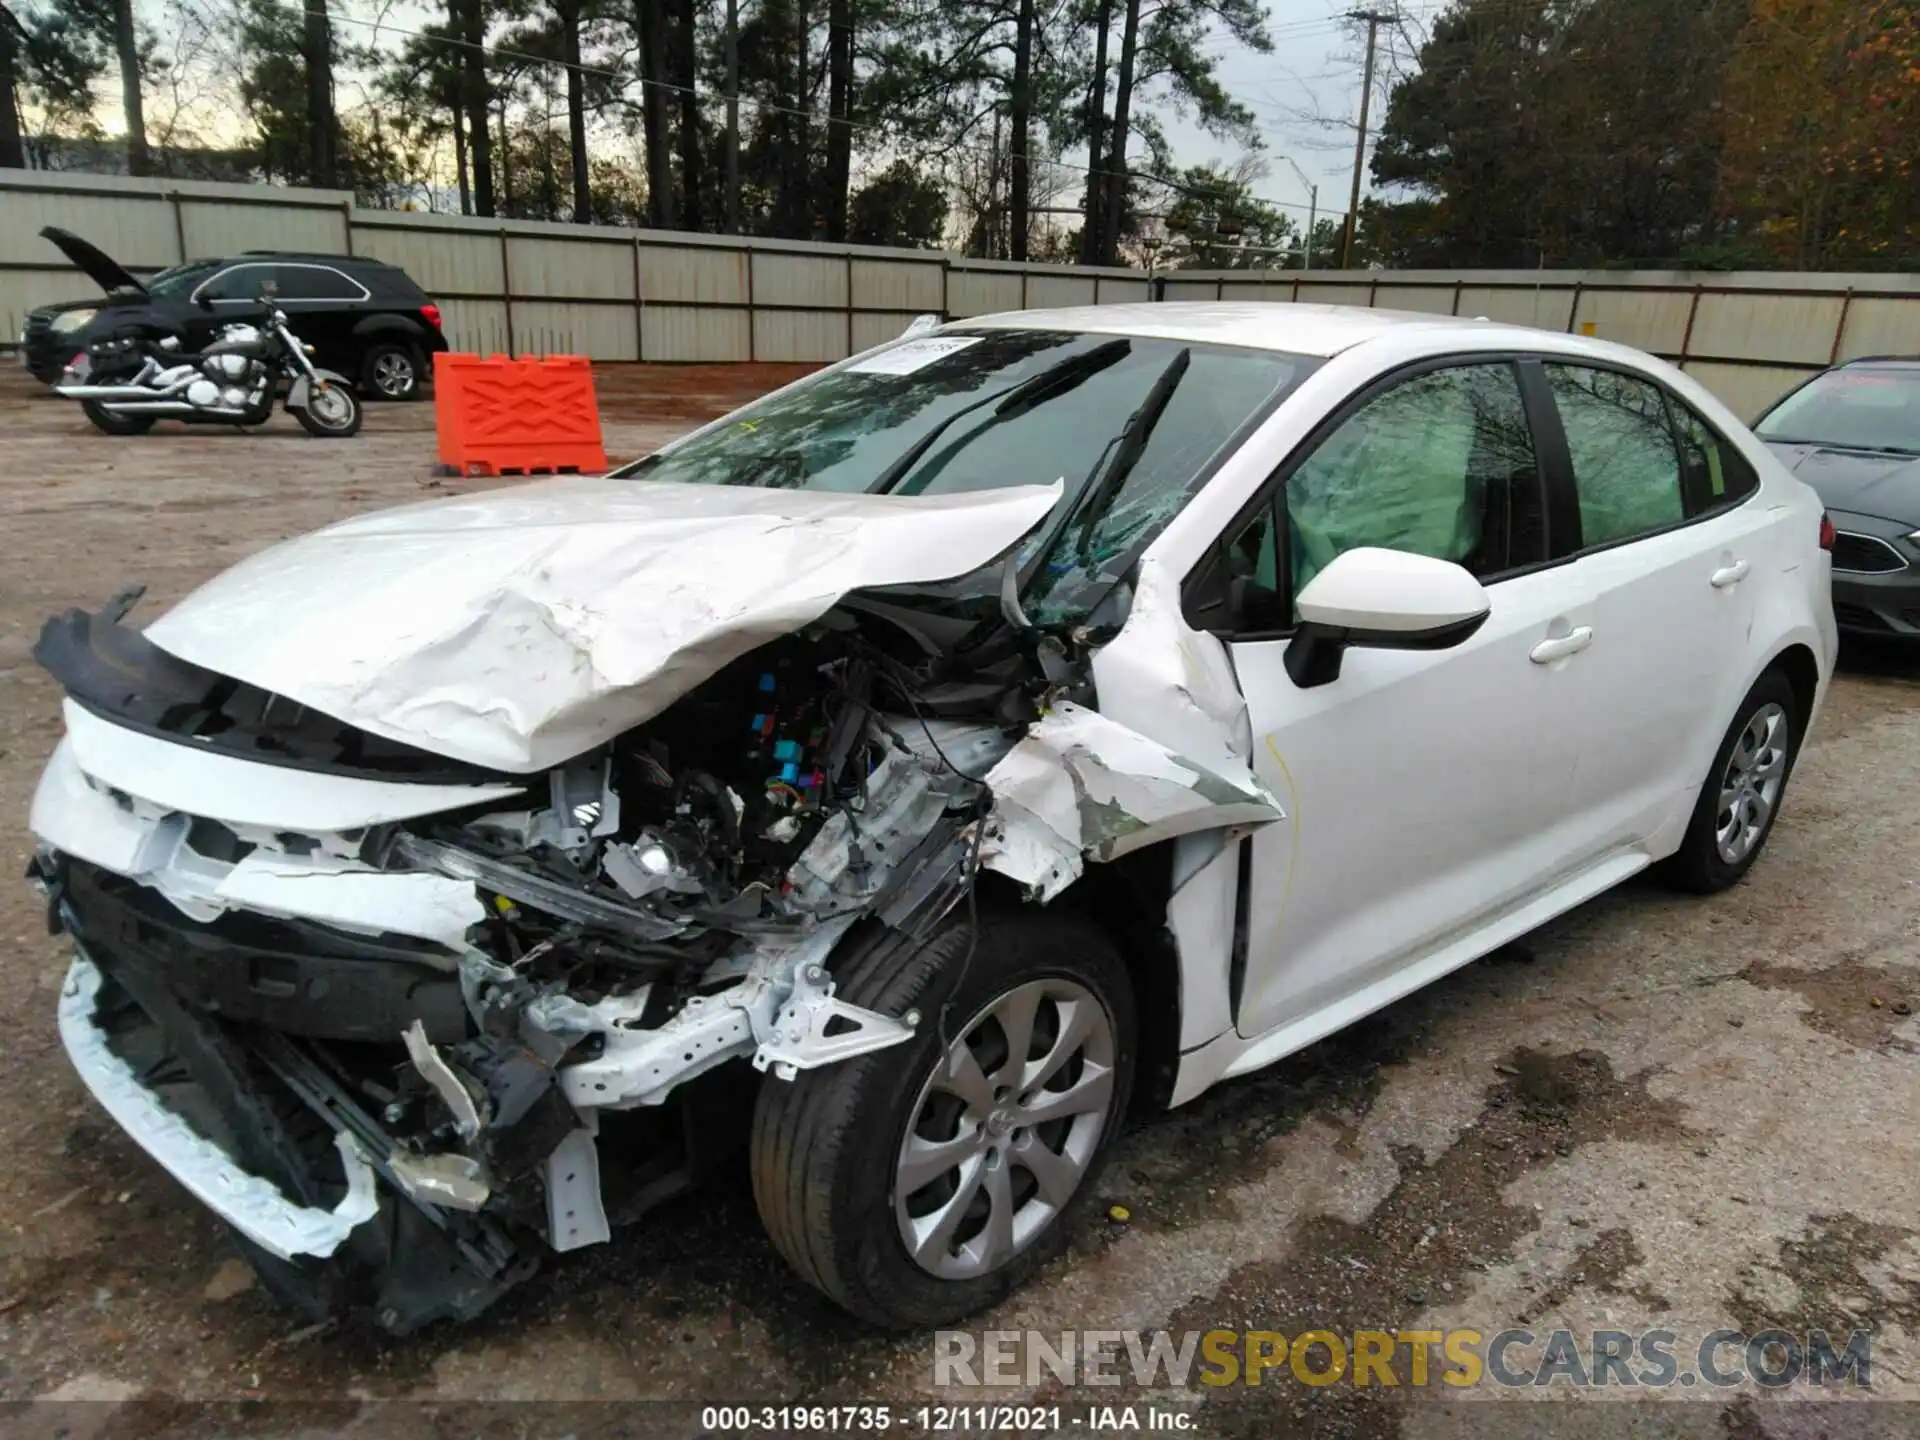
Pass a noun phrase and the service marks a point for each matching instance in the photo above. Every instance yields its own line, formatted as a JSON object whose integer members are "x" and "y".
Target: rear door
{"x": 1426, "y": 789}
{"x": 1670, "y": 553}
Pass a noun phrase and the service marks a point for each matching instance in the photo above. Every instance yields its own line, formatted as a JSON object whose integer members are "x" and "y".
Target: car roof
{"x": 1321, "y": 330}
{"x": 320, "y": 256}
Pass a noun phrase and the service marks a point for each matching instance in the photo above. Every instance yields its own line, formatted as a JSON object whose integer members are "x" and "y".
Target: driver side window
{"x": 1440, "y": 464}
{"x": 236, "y": 282}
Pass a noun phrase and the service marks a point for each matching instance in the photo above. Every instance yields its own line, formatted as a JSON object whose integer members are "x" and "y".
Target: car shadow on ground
{"x": 1886, "y": 659}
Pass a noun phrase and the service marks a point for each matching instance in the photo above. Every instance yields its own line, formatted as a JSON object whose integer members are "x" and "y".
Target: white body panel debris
{"x": 248, "y": 1203}
{"x": 1082, "y": 787}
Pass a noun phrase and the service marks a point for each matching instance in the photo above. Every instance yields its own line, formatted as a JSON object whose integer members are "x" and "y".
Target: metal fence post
{"x": 639, "y": 306}
{"x": 179, "y": 227}
{"x": 1686, "y": 336}
{"x": 1840, "y": 326}
{"x": 753, "y": 339}
{"x": 506, "y": 289}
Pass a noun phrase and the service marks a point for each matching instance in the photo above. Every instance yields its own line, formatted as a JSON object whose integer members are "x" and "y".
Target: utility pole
{"x": 1313, "y": 211}
{"x": 1374, "y": 21}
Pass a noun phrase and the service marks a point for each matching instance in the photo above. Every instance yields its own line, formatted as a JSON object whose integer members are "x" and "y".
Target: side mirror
{"x": 203, "y": 300}
{"x": 1384, "y": 599}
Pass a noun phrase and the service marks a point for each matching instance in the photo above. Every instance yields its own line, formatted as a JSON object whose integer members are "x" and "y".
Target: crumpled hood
{"x": 518, "y": 628}
{"x": 1866, "y": 484}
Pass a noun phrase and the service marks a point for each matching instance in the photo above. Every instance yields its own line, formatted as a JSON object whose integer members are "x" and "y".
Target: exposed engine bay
{"x": 620, "y": 926}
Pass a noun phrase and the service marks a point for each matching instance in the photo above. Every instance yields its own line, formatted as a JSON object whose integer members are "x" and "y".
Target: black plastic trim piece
{"x": 118, "y": 674}
{"x": 1313, "y": 656}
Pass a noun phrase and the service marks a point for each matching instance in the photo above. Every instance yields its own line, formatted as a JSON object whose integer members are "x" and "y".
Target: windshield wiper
{"x": 1133, "y": 444}
{"x": 1007, "y": 403}
{"x": 1842, "y": 445}
{"x": 1095, "y": 494}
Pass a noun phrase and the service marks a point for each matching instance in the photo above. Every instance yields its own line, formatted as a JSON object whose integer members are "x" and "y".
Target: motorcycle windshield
{"x": 97, "y": 265}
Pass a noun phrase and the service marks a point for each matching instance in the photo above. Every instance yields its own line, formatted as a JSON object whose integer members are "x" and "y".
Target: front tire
{"x": 1741, "y": 797}
{"x": 919, "y": 1184}
{"x": 105, "y": 419}
{"x": 332, "y": 413}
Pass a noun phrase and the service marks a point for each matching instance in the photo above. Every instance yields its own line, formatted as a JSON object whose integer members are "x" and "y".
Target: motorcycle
{"x": 233, "y": 381}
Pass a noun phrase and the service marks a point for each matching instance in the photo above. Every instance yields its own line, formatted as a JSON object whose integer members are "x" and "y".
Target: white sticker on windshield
{"x": 912, "y": 355}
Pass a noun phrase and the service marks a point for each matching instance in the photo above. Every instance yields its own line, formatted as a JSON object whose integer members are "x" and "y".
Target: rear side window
{"x": 315, "y": 282}
{"x": 1626, "y": 458}
{"x": 1712, "y": 471}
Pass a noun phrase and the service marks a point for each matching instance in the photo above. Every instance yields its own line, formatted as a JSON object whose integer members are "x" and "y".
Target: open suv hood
{"x": 96, "y": 264}
{"x": 516, "y": 629}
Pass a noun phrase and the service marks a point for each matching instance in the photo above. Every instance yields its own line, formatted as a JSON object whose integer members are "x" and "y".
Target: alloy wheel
{"x": 393, "y": 374}
{"x": 1005, "y": 1128}
{"x": 1750, "y": 787}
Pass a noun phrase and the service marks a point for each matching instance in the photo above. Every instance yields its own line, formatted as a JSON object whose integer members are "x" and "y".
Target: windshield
{"x": 180, "y": 279}
{"x": 1863, "y": 407}
{"x": 855, "y": 425}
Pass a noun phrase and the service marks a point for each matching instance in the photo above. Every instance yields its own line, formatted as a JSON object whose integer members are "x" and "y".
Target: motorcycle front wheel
{"x": 332, "y": 412}
{"x": 105, "y": 419}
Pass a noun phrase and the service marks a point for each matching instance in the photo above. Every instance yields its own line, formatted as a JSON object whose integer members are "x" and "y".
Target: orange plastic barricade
{"x": 495, "y": 415}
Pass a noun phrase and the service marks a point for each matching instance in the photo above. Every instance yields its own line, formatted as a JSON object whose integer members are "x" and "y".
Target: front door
{"x": 1427, "y": 789}
{"x": 322, "y": 304}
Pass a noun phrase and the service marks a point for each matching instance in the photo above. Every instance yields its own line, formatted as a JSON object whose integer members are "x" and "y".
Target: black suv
{"x": 364, "y": 318}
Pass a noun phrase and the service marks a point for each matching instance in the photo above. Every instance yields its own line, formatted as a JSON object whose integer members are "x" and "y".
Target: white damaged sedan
{"x": 898, "y": 777}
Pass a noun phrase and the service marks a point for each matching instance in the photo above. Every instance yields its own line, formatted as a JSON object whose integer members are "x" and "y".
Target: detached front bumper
{"x": 253, "y": 1206}
{"x": 229, "y": 1112}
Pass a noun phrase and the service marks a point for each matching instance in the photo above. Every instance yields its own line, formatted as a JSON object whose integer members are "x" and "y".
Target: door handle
{"x": 1728, "y": 575}
{"x": 1561, "y": 646}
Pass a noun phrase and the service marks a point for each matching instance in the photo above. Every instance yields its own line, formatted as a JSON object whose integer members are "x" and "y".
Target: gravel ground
{"x": 1654, "y": 1113}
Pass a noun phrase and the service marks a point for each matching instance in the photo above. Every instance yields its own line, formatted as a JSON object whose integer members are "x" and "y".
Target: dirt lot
{"x": 1656, "y": 1113}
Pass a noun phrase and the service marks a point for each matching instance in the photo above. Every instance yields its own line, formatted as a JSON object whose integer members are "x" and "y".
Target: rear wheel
{"x": 1737, "y": 806}
{"x": 921, "y": 1183}
{"x": 105, "y": 419}
{"x": 390, "y": 371}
